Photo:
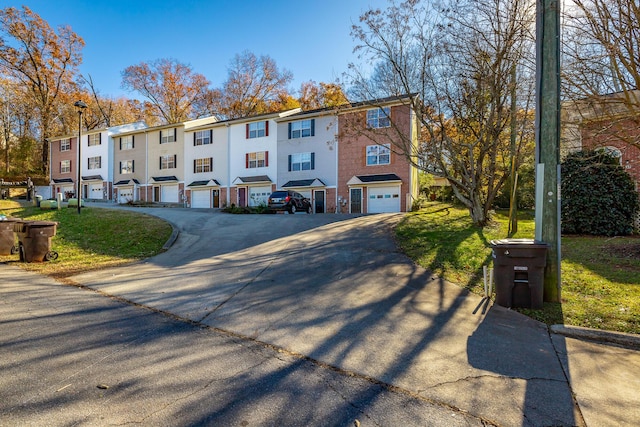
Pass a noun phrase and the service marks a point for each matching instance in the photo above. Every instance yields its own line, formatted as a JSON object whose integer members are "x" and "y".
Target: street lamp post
{"x": 80, "y": 106}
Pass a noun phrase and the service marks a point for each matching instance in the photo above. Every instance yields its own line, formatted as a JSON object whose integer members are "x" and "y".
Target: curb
{"x": 631, "y": 341}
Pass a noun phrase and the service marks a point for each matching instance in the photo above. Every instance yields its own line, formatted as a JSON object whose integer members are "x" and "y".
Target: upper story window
{"x": 126, "y": 142}
{"x": 167, "y": 135}
{"x": 94, "y": 139}
{"x": 259, "y": 159}
{"x": 168, "y": 162}
{"x": 203, "y": 165}
{"x": 379, "y": 118}
{"x": 65, "y": 166}
{"x": 378, "y": 154}
{"x": 65, "y": 145}
{"x": 302, "y": 128}
{"x": 257, "y": 129}
{"x": 126, "y": 166}
{"x": 94, "y": 162}
{"x": 301, "y": 162}
{"x": 202, "y": 137}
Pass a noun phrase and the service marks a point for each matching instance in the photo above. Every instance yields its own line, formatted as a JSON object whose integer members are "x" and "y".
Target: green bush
{"x": 598, "y": 195}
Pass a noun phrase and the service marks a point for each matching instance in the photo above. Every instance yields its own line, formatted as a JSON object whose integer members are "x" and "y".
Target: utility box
{"x": 518, "y": 271}
{"x": 34, "y": 240}
{"x": 7, "y": 236}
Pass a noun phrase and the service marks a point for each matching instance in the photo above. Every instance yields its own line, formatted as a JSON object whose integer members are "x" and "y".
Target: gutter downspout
{"x": 228, "y": 164}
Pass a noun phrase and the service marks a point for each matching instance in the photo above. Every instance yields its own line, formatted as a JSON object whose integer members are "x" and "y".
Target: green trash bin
{"x": 518, "y": 271}
{"x": 34, "y": 240}
{"x": 7, "y": 236}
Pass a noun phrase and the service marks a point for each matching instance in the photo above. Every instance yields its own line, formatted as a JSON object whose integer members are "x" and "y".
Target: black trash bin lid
{"x": 519, "y": 243}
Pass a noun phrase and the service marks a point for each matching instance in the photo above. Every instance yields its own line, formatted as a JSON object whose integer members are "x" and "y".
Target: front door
{"x": 318, "y": 196}
{"x": 156, "y": 194}
{"x": 355, "y": 195}
{"x": 242, "y": 196}
{"x": 216, "y": 198}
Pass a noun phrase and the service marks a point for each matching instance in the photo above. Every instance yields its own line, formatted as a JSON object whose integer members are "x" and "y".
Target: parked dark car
{"x": 290, "y": 201}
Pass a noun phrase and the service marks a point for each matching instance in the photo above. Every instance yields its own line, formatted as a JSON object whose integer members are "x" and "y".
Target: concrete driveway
{"x": 334, "y": 288}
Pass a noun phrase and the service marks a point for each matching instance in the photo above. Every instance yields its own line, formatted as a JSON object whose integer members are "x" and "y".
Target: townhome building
{"x": 97, "y": 168}
{"x": 253, "y": 160}
{"x": 206, "y": 167}
{"x": 307, "y": 156}
{"x": 375, "y": 173}
{"x": 130, "y": 166}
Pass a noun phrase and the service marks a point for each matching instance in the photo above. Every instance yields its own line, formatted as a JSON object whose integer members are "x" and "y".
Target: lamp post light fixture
{"x": 80, "y": 106}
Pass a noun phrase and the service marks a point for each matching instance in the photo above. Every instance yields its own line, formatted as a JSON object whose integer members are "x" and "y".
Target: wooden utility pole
{"x": 548, "y": 140}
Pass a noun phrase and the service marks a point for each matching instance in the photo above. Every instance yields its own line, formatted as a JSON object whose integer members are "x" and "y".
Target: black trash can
{"x": 518, "y": 271}
{"x": 34, "y": 240}
{"x": 7, "y": 236}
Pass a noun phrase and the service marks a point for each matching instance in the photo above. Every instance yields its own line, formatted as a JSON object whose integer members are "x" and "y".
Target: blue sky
{"x": 310, "y": 38}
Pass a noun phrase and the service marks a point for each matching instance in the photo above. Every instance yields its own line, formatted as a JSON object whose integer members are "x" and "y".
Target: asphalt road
{"x": 287, "y": 320}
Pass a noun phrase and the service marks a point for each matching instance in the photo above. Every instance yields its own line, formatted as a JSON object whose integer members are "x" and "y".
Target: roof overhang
{"x": 305, "y": 183}
{"x": 62, "y": 181}
{"x": 248, "y": 180}
{"x": 92, "y": 178}
{"x": 126, "y": 182}
{"x": 205, "y": 183}
{"x": 168, "y": 178}
{"x": 387, "y": 178}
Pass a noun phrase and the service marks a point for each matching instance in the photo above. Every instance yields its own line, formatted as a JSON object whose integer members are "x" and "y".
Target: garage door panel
{"x": 95, "y": 191}
{"x": 259, "y": 195}
{"x": 383, "y": 199}
{"x": 200, "y": 198}
{"x": 125, "y": 195}
{"x": 169, "y": 194}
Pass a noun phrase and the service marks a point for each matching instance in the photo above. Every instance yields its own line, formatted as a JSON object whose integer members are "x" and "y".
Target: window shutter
{"x": 313, "y": 160}
{"x": 120, "y": 143}
{"x": 210, "y": 164}
{"x": 120, "y": 163}
{"x": 289, "y": 134}
{"x": 194, "y": 165}
{"x": 210, "y": 136}
{"x": 266, "y": 158}
{"x": 246, "y": 160}
{"x": 160, "y": 162}
{"x": 313, "y": 128}
{"x": 175, "y": 134}
{"x": 133, "y": 166}
{"x": 160, "y": 135}
{"x": 289, "y": 154}
{"x": 60, "y": 167}
{"x": 194, "y": 138}
{"x": 100, "y": 139}
{"x": 266, "y": 128}
{"x": 175, "y": 160}
{"x": 133, "y": 141}
{"x": 247, "y": 137}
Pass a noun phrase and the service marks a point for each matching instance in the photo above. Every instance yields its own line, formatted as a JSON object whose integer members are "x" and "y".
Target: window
{"x": 301, "y": 162}
{"x": 65, "y": 145}
{"x": 302, "y": 128}
{"x": 94, "y": 139}
{"x": 126, "y": 142}
{"x": 378, "y": 154}
{"x": 168, "y": 162}
{"x": 202, "y": 137}
{"x": 94, "y": 162}
{"x": 257, "y": 130}
{"x": 379, "y": 118}
{"x": 65, "y": 166}
{"x": 203, "y": 165}
{"x": 257, "y": 160}
{"x": 167, "y": 135}
{"x": 126, "y": 166}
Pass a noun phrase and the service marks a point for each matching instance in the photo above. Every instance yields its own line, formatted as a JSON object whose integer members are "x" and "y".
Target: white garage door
{"x": 200, "y": 198}
{"x": 384, "y": 199}
{"x": 169, "y": 194}
{"x": 95, "y": 191}
{"x": 259, "y": 195}
{"x": 125, "y": 194}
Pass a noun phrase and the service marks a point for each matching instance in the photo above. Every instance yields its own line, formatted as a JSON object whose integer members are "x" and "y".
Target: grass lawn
{"x": 600, "y": 276}
{"x": 97, "y": 238}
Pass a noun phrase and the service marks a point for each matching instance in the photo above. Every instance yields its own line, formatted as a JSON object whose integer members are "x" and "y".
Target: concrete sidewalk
{"x": 335, "y": 289}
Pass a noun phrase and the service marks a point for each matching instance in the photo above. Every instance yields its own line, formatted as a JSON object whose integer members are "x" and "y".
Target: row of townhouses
{"x": 341, "y": 159}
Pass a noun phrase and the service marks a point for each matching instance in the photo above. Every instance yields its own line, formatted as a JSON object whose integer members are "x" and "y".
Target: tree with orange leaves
{"x": 43, "y": 61}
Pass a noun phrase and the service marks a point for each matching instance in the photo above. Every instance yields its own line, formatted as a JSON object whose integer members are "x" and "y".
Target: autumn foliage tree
{"x": 42, "y": 61}
{"x": 176, "y": 92}
{"x": 321, "y": 95}
{"x": 255, "y": 85}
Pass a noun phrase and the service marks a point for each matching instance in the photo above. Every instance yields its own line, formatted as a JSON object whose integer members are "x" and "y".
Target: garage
{"x": 95, "y": 191}
{"x": 201, "y": 198}
{"x": 259, "y": 195}
{"x": 169, "y": 193}
{"x": 125, "y": 195}
{"x": 383, "y": 199}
